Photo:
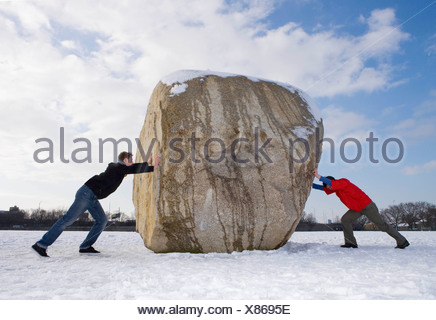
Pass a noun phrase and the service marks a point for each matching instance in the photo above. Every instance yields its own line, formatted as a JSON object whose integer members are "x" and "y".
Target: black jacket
{"x": 107, "y": 182}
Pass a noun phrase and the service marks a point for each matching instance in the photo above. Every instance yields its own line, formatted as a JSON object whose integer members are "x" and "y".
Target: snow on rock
{"x": 178, "y": 89}
{"x": 182, "y": 76}
{"x": 302, "y": 132}
{"x": 242, "y": 188}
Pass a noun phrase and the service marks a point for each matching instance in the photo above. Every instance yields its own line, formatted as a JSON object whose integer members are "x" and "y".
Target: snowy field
{"x": 310, "y": 266}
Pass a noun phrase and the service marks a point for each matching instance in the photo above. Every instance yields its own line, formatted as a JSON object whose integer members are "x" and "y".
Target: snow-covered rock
{"x": 237, "y": 161}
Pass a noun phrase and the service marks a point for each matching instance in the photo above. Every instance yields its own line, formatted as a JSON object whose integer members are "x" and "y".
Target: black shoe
{"x": 89, "y": 250}
{"x": 405, "y": 244}
{"x": 41, "y": 251}
{"x": 349, "y": 245}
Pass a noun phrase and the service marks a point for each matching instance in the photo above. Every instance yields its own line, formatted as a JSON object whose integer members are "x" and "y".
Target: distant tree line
{"x": 39, "y": 218}
{"x": 412, "y": 215}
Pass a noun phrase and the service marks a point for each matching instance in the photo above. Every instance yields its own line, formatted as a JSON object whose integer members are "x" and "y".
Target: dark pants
{"x": 372, "y": 213}
{"x": 85, "y": 200}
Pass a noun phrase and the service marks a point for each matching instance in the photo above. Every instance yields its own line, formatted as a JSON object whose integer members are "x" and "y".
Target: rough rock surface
{"x": 227, "y": 181}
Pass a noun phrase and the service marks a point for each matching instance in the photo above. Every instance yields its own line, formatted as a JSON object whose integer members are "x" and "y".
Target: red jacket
{"x": 350, "y": 195}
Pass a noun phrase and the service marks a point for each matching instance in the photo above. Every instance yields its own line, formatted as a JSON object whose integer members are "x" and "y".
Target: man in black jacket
{"x": 98, "y": 187}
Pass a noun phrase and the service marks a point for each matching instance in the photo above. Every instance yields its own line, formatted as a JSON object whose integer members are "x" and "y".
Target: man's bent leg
{"x": 100, "y": 221}
{"x": 371, "y": 211}
{"x": 347, "y": 223}
{"x": 78, "y": 207}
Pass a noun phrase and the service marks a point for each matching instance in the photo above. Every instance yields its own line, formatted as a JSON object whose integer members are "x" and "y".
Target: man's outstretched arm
{"x": 144, "y": 166}
{"x": 322, "y": 179}
{"x": 317, "y": 186}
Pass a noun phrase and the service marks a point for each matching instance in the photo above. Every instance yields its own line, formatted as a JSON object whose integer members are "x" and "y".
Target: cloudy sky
{"x": 90, "y": 68}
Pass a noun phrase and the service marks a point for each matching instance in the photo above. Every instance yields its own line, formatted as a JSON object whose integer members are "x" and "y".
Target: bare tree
{"x": 424, "y": 212}
{"x": 54, "y": 214}
{"x": 431, "y": 218}
{"x": 410, "y": 214}
{"x": 393, "y": 215}
{"x": 337, "y": 220}
{"x": 360, "y": 223}
{"x": 307, "y": 218}
{"x": 85, "y": 217}
{"x": 38, "y": 215}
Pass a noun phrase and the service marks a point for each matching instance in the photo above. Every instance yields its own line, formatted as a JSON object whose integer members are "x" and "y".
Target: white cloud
{"x": 387, "y": 112}
{"x": 69, "y": 44}
{"x": 341, "y": 124}
{"x": 171, "y": 36}
{"x": 421, "y": 125}
{"x": 424, "y": 168}
{"x": 326, "y": 64}
{"x": 416, "y": 128}
{"x": 384, "y": 37}
{"x": 428, "y": 107}
{"x": 431, "y": 49}
{"x": 348, "y": 132}
{"x": 31, "y": 18}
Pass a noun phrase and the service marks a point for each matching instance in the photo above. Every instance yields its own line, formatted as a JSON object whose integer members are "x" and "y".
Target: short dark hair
{"x": 330, "y": 178}
{"x": 124, "y": 155}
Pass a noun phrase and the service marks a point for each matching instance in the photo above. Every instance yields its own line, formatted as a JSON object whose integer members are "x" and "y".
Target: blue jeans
{"x": 85, "y": 200}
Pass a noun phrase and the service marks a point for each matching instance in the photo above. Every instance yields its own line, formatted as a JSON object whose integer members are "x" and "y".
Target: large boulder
{"x": 238, "y": 155}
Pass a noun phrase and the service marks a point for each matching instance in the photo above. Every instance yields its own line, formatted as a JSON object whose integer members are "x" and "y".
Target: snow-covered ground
{"x": 310, "y": 266}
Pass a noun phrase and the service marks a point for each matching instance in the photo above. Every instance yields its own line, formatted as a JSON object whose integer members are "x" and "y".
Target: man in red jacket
{"x": 358, "y": 203}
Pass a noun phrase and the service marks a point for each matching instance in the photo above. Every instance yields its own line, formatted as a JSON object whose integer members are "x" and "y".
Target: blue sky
{"x": 368, "y": 65}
